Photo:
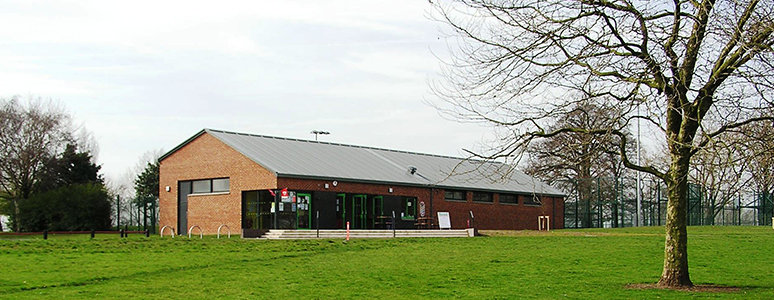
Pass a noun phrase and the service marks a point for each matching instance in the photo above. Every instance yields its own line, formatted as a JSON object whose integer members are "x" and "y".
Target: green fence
{"x": 612, "y": 202}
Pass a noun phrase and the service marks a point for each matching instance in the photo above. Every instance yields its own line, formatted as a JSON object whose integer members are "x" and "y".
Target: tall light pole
{"x": 316, "y": 132}
{"x": 639, "y": 181}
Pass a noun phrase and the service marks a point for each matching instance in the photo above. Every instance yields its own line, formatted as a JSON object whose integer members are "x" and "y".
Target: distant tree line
{"x": 48, "y": 179}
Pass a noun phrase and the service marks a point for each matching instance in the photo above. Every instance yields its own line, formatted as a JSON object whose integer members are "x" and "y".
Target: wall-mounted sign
{"x": 422, "y": 209}
{"x": 443, "y": 220}
{"x": 335, "y": 183}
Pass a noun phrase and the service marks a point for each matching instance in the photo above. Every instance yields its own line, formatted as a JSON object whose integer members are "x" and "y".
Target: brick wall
{"x": 488, "y": 215}
{"x": 502, "y": 216}
{"x": 207, "y": 157}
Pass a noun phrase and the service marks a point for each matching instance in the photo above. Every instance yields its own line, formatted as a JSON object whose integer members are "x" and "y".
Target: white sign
{"x": 443, "y": 220}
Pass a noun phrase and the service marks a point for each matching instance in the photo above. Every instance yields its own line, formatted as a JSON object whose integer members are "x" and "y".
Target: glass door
{"x": 304, "y": 215}
{"x": 377, "y": 210}
{"x": 360, "y": 212}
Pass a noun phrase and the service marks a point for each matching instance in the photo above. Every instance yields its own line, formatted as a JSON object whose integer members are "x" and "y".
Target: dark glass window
{"x": 532, "y": 200}
{"x": 455, "y": 195}
{"x": 482, "y": 197}
{"x": 509, "y": 198}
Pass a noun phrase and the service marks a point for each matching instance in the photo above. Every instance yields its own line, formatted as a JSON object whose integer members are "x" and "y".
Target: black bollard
{"x": 147, "y": 233}
{"x": 45, "y": 234}
{"x": 92, "y": 233}
{"x": 121, "y": 232}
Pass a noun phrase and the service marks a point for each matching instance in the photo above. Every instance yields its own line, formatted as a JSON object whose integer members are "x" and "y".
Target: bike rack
{"x": 172, "y": 231}
{"x": 229, "y": 230}
{"x": 201, "y": 233}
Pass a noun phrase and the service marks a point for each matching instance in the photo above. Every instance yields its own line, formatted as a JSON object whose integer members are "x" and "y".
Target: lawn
{"x": 573, "y": 264}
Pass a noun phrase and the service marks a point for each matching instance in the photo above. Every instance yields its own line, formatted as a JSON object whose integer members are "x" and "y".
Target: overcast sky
{"x": 146, "y": 75}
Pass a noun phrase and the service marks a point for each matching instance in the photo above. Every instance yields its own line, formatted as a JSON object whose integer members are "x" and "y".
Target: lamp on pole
{"x": 639, "y": 178}
{"x": 318, "y": 132}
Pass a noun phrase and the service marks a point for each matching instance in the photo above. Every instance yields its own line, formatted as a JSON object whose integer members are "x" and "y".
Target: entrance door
{"x": 183, "y": 190}
{"x": 377, "y": 210}
{"x": 359, "y": 212}
{"x": 304, "y": 216}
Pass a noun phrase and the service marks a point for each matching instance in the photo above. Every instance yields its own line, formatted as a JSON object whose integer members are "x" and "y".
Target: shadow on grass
{"x": 700, "y": 288}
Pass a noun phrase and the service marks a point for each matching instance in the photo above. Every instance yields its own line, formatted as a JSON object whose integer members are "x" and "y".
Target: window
{"x": 452, "y": 195}
{"x": 482, "y": 197}
{"x": 210, "y": 186}
{"x": 201, "y": 186}
{"x": 409, "y": 208}
{"x": 509, "y": 198}
{"x": 220, "y": 185}
{"x": 532, "y": 200}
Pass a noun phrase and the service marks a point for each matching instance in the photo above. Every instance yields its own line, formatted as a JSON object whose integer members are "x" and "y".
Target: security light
{"x": 412, "y": 170}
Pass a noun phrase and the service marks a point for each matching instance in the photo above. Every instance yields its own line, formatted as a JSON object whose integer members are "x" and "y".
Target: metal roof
{"x": 322, "y": 160}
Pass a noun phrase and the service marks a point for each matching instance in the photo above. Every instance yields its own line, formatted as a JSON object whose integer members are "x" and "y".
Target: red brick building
{"x": 252, "y": 183}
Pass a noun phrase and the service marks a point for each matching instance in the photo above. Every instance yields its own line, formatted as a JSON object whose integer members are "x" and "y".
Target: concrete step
{"x": 371, "y": 233}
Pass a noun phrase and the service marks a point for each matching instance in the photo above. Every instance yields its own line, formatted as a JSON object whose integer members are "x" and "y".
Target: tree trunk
{"x": 675, "y": 272}
{"x": 16, "y": 225}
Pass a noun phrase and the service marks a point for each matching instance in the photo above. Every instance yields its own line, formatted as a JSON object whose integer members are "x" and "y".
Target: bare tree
{"x": 671, "y": 64}
{"x": 719, "y": 170}
{"x": 572, "y": 161}
{"x": 760, "y": 145}
{"x": 29, "y": 136}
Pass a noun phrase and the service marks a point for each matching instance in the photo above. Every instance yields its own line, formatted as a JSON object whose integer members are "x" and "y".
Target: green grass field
{"x": 573, "y": 264}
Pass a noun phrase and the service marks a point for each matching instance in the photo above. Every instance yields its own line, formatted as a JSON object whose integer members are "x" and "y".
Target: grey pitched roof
{"x": 322, "y": 160}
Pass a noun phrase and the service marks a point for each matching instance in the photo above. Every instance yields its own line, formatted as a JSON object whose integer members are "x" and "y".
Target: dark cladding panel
{"x": 325, "y": 202}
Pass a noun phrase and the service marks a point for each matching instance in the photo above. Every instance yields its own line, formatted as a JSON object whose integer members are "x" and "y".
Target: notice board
{"x": 443, "y": 220}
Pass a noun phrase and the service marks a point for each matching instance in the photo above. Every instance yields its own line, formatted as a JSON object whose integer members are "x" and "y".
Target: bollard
{"x": 45, "y": 234}
{"x": 121, "y": 232}
{"x": 126, "y": 231}
{"x": 347, "y": 230}
{"x": 393, "y": 224}
{"x": 92, "y": 233}
{"x": 147, "y": 233}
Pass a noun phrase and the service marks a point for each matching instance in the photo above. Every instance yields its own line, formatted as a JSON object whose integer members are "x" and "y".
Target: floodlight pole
{"x": 319, "y": 132}
{"x": 639, "y": 180}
